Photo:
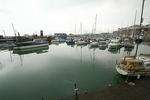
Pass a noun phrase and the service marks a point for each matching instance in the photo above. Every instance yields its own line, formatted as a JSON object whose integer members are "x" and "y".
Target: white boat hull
{"x": 81, "y": 43}
{"x": 120, "y": 71}
{"x": 94, "y": 45}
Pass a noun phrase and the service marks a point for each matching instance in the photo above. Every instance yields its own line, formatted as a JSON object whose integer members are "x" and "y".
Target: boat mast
{"x": 13, "y": 29}
{"x": 141, "y": 21}
{"x": 134, "y": 25}
{"x": 4, "y": 33}
{"x": 81, "y": 28}
{"x": 95, "y": 24}
{"x": 75, "y": 28}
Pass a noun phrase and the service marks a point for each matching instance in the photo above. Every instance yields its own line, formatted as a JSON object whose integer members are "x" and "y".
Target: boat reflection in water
{"x": 128, "y": 49}
{"x": 114, "y": 51}
{"x": 38, "y": 50}
{"x": 30, "y": 46}
{"x": 102, "y": 47}
{"x": 119, "y": 79}
{"x": 1, "y": 66}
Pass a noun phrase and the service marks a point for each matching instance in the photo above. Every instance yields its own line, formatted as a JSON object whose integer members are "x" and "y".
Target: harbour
{"x": 52, "y": 74}
{"x": 74, "y": 50}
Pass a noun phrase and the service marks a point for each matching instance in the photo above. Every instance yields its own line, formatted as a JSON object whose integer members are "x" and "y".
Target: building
{"x": 1, "y": 37}
{"x": 41, "y": 33}
{"x": 133, "y": 31}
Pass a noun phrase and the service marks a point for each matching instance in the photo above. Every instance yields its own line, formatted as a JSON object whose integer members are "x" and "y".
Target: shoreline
{"x": 131, "y": 90}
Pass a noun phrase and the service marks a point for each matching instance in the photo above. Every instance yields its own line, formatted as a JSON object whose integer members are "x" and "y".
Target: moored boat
{"x": 81, "y": 42}
{"x": 135, "y": 65}
{"x": 70, "y": 41}
{"x": 93, "y": 45}
{"x": 131, "y": 66}
{"x": 103, "y": 45}
{"x": 30, "y": 45}
{"x": 128, "y": 43}
{"x": 114, "y": 44}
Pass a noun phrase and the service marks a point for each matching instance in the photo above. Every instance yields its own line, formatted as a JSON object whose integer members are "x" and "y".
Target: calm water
{"x": 52, "y": 73}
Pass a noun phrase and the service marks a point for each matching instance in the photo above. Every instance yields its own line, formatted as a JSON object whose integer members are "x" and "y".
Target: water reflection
{"x": 61, "y": 67}
{"x": 114, "y": 51}
{"x": 29, "y": 51}
{"x": 21, "y": 60}
{"x": 102, "y": 47}
{"x": 1, "y": 66}
{"x": 93, "y": 59}
{"x": 92, "y": 47}
{"x": 128, "y": 49}
{"x": 71, "y": 46}
{"x": 81, "y": 54}
{"x": 117, "y": 79}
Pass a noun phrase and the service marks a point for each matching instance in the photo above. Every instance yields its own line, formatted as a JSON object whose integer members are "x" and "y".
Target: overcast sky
{"x": 30, "y": 16}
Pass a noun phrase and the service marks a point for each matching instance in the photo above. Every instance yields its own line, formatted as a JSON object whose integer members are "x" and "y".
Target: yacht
{"x": 128, "y": 43}
{"x": 94, "y": 44}
{"x": 135, "y": 65}
{"x": 114, "y": 44}
{"x": 70, "y": 41}
{"x": 81, "y": 42}
{"x": 131, "y": 66}
{"x": 103, "y": 45}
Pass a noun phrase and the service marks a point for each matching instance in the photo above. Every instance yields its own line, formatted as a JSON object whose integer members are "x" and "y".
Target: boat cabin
{"x": 131, "y": 64}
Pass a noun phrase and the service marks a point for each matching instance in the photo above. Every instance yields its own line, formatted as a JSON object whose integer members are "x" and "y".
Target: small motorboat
{"x": 81, "y": 42}
{"x": 114, "y": 44}
{"x": 103, "y": 45}
{"x": 93, "y": 45}
{"x": 70, "y": 41}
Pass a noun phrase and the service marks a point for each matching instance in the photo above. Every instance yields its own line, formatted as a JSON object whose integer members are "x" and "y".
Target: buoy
{"x": 76, "y": 91}
{"x": 138, "y": 76}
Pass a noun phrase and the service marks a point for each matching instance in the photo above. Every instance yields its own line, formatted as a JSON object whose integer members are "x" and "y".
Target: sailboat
{"x": 128, "y": 42}
{"x": 135, "y": 65}
{"x": 81, "y": 41}
{"x": 70, "y": 41}
{"x": 94, "y": 44}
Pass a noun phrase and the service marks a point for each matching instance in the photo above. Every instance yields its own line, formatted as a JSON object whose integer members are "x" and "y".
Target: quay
{"x": 135, "y": 90}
